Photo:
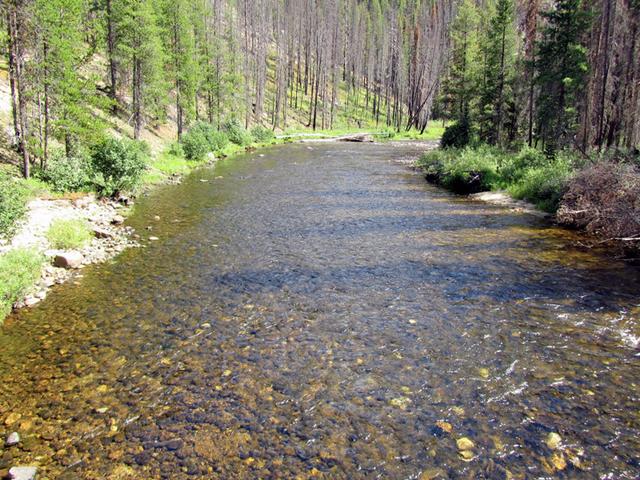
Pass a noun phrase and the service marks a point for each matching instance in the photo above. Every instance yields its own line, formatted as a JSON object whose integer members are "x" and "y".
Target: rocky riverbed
{"x": 104, "y": 217}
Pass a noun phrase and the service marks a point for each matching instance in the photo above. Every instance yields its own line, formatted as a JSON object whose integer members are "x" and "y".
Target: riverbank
{"x": 597, "y": 196}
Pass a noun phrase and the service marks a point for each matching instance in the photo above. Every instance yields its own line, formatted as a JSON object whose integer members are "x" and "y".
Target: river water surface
{"x": 321, "y": 312}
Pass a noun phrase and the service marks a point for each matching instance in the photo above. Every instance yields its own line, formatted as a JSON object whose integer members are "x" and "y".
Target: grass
{"x": 527, "y": 174}
{"x": 19, "y": 271}
{"x": 69, "y": 234}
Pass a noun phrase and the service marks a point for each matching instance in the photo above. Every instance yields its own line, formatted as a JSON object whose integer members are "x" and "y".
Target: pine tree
{"x": 69, "y": 99}
{"x": 561, "y": 71}
{"x": 139, "y": 50}
{"x": 464, "y": 54}
{"x": 180, "y": 47}
{"x": 498, "y": 54}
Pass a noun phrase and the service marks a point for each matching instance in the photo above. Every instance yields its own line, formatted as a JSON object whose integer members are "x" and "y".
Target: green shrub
{"x": 474, "y": 170}
{"x": 544, "y": 185}
{"x": 218, "y": 140}
{"x": 236, "y": 132}
{"x": 67, "y": 174}
{"x": 195, "y": 145}
{"x": 118, "y": 165}
{"x": 457, "y": 135}
{"x": 69, "y": 234}
{"x": 261, "y": 134}
{"x": 19, "y": 270}
{"x": 176, "y": 149}
{"x": 203, "y": 138}
{"x": 462, "y": 170}
{"x": 514, "y": 167}
{"x": 13, "y": 203}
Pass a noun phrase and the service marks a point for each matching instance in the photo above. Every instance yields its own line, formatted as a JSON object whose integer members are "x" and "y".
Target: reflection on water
{"x": 323, "y": 313}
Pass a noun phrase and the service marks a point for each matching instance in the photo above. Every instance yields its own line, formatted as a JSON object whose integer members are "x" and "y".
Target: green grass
{"x": 527, "y": 174}
{"x": 19, "y": 270}
{"x": 69, "y": 234}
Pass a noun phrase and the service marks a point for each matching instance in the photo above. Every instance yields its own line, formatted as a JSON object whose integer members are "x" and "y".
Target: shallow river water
{"x": 321, "y": 312}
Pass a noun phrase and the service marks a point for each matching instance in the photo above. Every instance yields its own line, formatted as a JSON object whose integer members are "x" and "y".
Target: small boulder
{"x": 102, "y": 233}
{"x": 117, "y": 220}
{"x": 23, "y": 473}
{"x": 68, "y": 260}
{"x": 12, "y": 439}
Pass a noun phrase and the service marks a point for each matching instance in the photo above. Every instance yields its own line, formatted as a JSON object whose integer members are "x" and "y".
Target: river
{"x": 319, "y": 311}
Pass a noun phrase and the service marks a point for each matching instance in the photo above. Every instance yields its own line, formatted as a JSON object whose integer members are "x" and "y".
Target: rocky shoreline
{"x": 110, "y": 237}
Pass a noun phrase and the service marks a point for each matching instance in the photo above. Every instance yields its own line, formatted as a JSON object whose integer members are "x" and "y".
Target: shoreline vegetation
{"x": 66, "y": 218}
{"x": 595, "y": 194}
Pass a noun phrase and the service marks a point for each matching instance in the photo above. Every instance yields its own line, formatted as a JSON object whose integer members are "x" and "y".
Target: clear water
{"x": 319, "y": 312}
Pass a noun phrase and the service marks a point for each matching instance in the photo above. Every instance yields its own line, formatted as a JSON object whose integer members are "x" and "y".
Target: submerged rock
{"x": 23, "y": 473}
{"x": 12, "y": 439}
{"x": 553, "y": 441}
{"x": 463, "y": 443}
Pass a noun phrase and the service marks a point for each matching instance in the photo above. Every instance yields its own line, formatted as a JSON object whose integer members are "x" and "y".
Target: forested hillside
{"x": 74, "y": 63}
{"x": 544, "y": 97}
{"x": 551, "y": 74}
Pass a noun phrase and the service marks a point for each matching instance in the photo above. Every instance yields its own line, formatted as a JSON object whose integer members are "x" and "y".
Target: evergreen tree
{"x": 69, "y": 101}
{"x": 139, "y": 50}
{"x": 464, "y": 55}
{"x": 561, "y": 72}
{"x": 180, "y": 48}
{"x": 498, "y": 55}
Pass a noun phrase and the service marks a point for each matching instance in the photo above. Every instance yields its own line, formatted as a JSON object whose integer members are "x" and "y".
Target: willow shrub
{"x": 20, "y": 269}
{"x": 13, "y": 203}
{"x": 527, "y": 174}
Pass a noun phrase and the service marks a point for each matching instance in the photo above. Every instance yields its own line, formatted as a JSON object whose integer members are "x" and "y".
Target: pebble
{"x": 444, "y": 426}
{"x": 463, "y": 443}
{"x": 553, "y": 441}
{"x": 12, "y": 418}
{"x": 117, "y": 220}
{"x": 23, "y": 473}
{"x": 12, "y": 439}
{"x": 154, "y": 239}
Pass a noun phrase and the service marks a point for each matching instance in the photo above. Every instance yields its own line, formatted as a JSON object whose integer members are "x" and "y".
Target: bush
{"x": 236, "y": 132}
{"x": 69, "y": 234}
{"x": 457, "y": 135}
{"x": 544, "y": 185}
{"x": 463, "y": 171}
{"x": 475, "y": 170}
{"x": 118, "y": 165}
{"x": 516, "y": 166}
{"x": 262, "y": 134}
{"x": 13, "y": 203}
{"x": 201, "y": 139}
{"x": 176, "y": 149}
{"x": 195, "y": 145}
{"x": 19, "y": 270}
{"x": 67, "y": 174}
{"x": 218, "y": 140}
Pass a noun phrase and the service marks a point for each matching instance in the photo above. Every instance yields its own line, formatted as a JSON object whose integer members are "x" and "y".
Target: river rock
{"x": 553, "y": 441}
{"x": 117, "y": 220}
{"x": 23, "y": 473}
{"x": 12, "y": 418}
{"x": 464, "y": 443}
{"x": 12, "y": 439}
{"x": 68, "y": 260}
{"x": 102, "y": 233}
